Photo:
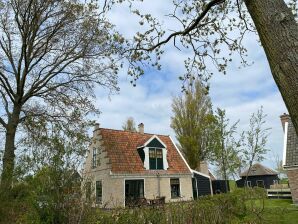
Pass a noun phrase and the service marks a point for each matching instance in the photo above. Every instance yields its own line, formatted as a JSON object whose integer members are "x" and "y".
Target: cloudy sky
{"x": 241, "y": 92}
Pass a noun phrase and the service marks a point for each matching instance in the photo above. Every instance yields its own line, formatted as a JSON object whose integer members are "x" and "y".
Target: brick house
{"x": 290, "y": 154}
{"x": 123, "y": 167}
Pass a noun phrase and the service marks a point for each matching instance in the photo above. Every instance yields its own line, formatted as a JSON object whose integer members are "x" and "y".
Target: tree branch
{"x": 190, "y": 27}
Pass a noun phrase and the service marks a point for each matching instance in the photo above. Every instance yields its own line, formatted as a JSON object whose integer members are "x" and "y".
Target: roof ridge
{"x": 134, "y": 132}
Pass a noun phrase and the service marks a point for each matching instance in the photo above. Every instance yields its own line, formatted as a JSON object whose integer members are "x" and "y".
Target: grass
{"x": 280, "y": 211}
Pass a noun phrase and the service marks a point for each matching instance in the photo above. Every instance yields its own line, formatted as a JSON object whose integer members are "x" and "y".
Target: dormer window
{"x": 154, "y": 154}
{"x": 155, "y": 159}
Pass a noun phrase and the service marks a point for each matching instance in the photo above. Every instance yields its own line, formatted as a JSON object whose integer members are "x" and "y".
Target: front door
{"x": 134, "y": 191}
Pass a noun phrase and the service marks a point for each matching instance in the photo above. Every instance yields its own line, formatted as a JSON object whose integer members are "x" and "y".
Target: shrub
{"x": 241, "y": 206}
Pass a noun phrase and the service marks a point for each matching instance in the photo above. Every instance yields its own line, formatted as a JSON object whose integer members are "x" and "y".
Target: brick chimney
{"x": 96, "y": 129}
{"x": 284, "y": 118}
{"x": 141, "y": 128}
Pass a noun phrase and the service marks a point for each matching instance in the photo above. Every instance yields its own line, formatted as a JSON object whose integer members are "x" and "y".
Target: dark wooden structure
{"x": 201, "y": 184}
{"x": 258, "y": 176}
{"x": 220, "y": 186}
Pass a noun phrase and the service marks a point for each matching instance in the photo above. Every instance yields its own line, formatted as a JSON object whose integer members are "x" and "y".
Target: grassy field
{"x": 280, "y": 211}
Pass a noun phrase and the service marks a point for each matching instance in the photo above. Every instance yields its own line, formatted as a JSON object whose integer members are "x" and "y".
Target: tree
{"x": 129, "y": 125}
{"x": 52, "y": 55}
{"x": 227, "y": 151}
{"x": 205, "y": 28}
{"x": 46, "y": 179}
{"x": 255, "y": 139}
{"x": 282, "y": 173}
{"x": 192, "y": 122}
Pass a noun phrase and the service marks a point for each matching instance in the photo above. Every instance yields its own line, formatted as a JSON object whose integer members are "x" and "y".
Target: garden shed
{"x": 258, "y": 176}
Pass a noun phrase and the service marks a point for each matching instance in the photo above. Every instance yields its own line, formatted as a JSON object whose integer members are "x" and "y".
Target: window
{"x": 175, "y": 188}
{"x": 94, "y": 157}
{"x": 88, "y": 191}
{"x": 260, "y": 183}
{"x": 98, "y": 190}
{"x": 248, "y": 183}
{"x": 134, "y": 191}
{"x": 155, "y": 159}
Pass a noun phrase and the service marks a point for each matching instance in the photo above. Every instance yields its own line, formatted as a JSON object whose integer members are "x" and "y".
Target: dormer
{"x": 154, "y": 154}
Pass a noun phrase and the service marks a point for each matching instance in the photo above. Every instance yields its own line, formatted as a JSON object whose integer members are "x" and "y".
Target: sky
{"x": 241, "y": 92}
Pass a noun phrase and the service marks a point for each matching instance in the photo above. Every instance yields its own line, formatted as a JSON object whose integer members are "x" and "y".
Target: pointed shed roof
{"x": 258, "y": 170}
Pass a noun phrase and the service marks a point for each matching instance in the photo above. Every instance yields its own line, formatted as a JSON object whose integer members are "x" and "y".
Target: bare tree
{"x": 52, "y": 55}
{"x": 129, "y": 125}
{"x": 227, "y": 150}
{"x": 255, "y": 140}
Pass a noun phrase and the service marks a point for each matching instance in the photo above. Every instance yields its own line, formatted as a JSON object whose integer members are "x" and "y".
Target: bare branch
{"x": 194, "y": 24}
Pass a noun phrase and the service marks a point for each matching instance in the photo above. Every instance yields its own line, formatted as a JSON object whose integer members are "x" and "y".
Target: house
{"x": 290, "y": 155}
{"x": 124, "y": 168}
{"x": 258, "y": 176}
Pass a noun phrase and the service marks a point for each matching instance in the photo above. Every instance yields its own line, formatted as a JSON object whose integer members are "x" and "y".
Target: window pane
{"x": 94, "y": 158}
{"x": 159, "y": 162}
{"x": 175, "y": 188}
{"x": 152, "y": 163}
{"x": 98, "y": 188}
{"x": 158, "y": 153}
{"x": 152, "y": 153}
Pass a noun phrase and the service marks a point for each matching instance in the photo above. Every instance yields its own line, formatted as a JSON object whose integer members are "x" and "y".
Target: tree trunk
{"x": 278, "y": 32}
{"x": 9, "y": 155}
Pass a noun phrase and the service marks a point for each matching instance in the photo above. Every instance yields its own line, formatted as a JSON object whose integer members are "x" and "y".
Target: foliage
{"x": 53, "y": 54}
{"x": 237, "y": 207}
{"x": 129, "y": 125}
{"x": 255, "y": 139}
{"x": 193, "y": 123}
{"x": 46, "y": 181}
{"x": 227, "y": 150}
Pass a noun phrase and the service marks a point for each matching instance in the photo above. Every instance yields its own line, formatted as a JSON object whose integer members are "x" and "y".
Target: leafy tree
{"x": 227, "y": 151}
{"x": 52, "y": 56}
{"x": 46, "y": 181}
{"x": 215, "y": 29}
{"x": 193, "y": 123}
{"x": 129, "y": 125}
{"x": 255, "y": 139}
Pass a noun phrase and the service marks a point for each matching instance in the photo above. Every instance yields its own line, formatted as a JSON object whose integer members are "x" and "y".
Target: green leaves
{"x": 192, "y": 122}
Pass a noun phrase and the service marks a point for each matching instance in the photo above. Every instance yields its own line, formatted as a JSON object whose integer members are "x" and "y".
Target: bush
{"x": 241, "y": 206}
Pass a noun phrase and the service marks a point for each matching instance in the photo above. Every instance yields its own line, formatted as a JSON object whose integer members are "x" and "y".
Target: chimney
{"x": 141, "y": 128}
{"x": 96, "y": 129}
{"x": 284, "y": 118}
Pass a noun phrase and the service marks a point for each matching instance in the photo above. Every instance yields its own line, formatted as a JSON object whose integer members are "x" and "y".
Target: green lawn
{"x": 280, "y": 211}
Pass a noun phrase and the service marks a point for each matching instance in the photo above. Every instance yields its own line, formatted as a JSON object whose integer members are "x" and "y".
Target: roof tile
{"x": 122, "y": 147}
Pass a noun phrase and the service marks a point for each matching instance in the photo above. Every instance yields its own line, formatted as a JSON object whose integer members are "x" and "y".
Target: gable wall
{"x": 293, "y": 181}
{"x": 291, "y": 160}
{"x": 292, "y": 146}
{"x": 102, "y": 173}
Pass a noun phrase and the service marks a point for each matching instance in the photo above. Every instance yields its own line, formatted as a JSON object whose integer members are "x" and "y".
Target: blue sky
{"x": 241, "y": 92}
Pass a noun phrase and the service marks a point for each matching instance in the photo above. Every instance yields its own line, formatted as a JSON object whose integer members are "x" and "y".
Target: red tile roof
{"x": 121, "y": 147}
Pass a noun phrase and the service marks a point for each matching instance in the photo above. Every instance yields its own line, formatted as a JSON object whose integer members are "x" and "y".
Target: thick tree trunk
{"x": 9, "y": 150}
{"x": 278, "y": 32}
